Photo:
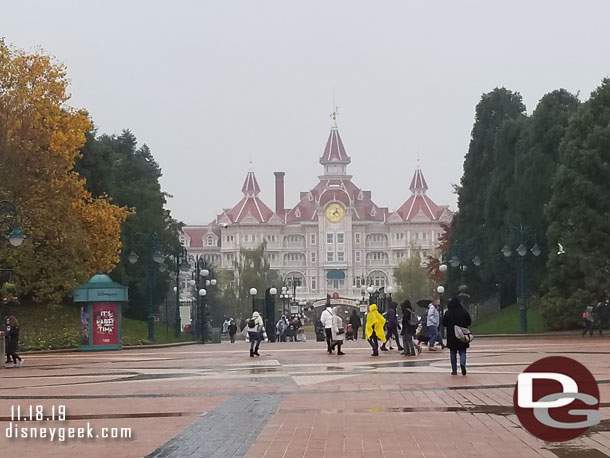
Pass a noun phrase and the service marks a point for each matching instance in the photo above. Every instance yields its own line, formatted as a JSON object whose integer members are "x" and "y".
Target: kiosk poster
{"x": 105, "y": 324}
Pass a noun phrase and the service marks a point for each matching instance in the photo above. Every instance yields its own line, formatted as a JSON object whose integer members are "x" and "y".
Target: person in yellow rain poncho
{"x": 374, "y": 328}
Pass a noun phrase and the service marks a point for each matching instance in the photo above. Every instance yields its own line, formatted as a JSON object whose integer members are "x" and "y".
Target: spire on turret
{"x": 250, "y": 187}
{"x": 418, "y": 183}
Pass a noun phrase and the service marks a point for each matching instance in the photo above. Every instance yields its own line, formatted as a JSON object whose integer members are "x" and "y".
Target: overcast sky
{"x": 210, "y": 86}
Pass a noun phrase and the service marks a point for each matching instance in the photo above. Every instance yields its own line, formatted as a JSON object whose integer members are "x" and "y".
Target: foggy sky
{"x": 210, "y": 86}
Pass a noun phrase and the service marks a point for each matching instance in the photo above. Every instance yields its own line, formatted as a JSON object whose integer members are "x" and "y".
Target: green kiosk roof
{"x": 100, "y": 288}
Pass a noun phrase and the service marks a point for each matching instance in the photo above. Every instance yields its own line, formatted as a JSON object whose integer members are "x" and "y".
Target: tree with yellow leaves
{"x": 70, "y": 234}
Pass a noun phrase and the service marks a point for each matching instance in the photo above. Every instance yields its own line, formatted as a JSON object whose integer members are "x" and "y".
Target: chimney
{"x": 279, "y": 193}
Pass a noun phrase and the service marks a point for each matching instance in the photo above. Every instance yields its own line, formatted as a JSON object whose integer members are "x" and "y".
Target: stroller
{"x": 349, "y": 335}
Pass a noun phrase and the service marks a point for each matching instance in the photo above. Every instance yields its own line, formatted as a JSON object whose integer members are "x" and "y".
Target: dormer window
{"x": 360, "y": 195}
{"x": 373, "y": 211}
{"x": 310, "y": 197}
{"x": 297, "y": 213}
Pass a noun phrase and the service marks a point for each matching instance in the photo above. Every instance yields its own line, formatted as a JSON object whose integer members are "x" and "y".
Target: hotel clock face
{"x": 335, "y": 213}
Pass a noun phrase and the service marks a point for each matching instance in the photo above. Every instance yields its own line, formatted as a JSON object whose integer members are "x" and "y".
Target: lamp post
{"x": 153, "y": 256}
{"x": 371, "y": 291}
{"x": 180, "y": 257}
{"x": 457, "y": 261}
{"x": 200, "y": 272}
{"x": 524, "y": 234}
{"x": 10, "y": 215}
{"x": 390, "y": 290}
{"x": 440, "y": 289}
{"x": 283, "y": 298}
{"x": 253, "y": 292}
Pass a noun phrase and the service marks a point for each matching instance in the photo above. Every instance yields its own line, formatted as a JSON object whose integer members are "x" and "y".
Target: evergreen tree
{"x": 116, "y": 167}
{"x": 579, "y": 211}
{"x": 470, "y": 225}
{"x": 535, "y": 166}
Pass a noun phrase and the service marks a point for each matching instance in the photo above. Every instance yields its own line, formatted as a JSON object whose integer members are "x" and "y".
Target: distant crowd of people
{"x": 408, "y": 331}
{"x": 602, "y": 310}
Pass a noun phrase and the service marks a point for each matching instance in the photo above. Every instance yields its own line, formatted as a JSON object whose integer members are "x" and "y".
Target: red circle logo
{"x": 556, "y": 399}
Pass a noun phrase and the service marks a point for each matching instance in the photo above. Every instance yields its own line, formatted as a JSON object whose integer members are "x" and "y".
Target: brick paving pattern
{"x": 297, "y": 401}
{"x": 226, "y": 432}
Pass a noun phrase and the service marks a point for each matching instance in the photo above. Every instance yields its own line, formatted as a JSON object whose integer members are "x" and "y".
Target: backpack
{"x": 413, "y": 318}
{"x": 251, "y": 323}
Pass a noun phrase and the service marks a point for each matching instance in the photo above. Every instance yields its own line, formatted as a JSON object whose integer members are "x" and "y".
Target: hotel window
{"x": 313, "y": 257}
{"x": 424, "y": 236}
{"x": 358, "y": 256}
{"x": 313, "y": 283}
{"x": 330, "y": 237}
{"x": 312, "y": 239}
{"x": 357, "y": 238}
{"x": 340, "y": 256}
{"x": 340, "y": 237}
{"x": 210, "y": 240}
{"x": 330, "y": 256}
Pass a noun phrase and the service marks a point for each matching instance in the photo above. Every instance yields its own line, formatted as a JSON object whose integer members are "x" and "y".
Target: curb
{"x": 126, "y": 347}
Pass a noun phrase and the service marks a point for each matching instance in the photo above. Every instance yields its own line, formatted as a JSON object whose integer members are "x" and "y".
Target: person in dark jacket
{"x": 356, "y": 323}
{"x": 392, "y": 327}
{"x": 603, "y": 311}
{"x": 408, "y": 330}
{"x": 456, "y": 315}
{"x": 13, "y": 345}
{"x": 4, "y": 327}
{"x": 232, "y": 330}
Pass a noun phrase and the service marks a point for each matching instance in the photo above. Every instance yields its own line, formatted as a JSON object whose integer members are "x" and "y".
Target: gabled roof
{"x": 334, "y": 152}
{"x": 250, "y": 208}
{"x": 419, "y": 203}
{"x": 336, "y": 190}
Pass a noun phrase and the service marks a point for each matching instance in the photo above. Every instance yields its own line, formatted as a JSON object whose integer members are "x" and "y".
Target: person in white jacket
{"x": 327, "y": 321}
{"x": 255, "y": 328}
{"x": 338, "y": 331}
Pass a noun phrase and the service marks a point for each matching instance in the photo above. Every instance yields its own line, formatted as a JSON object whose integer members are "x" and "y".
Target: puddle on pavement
{"x": 263, "y": 370}
{"x": 484, "y": 409}
{"x": 577, "y": 452}
{"x": 123, "y": 415}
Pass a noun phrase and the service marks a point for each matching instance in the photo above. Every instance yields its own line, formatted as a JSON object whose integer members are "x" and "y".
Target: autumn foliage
{"x": 70, "y": 234}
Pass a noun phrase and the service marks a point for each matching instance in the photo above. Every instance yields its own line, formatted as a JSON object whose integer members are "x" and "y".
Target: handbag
{"x": 340, "y": 331}
{"x": 462, "y": 334}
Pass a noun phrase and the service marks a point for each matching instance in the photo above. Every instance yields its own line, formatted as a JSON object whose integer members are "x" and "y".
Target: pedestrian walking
{"x": 588, "y": 319}
{"x": 255, "y": 328}
{"x": 4, "y": 327}
{"x": 392, "y": 327}
{"x": 280, "y": 329}
{"x": 433, "y": 320}
{"x": 356, "y": 323}
{"x": 603, "y": 312}
{"x": 410, "y": 321}
{"x": 232, "y": 330}
{"x": 456, "y": 315}
{"x": 374, "y": 328}
{"x": 13, "y": 343}
{"x": 338, "y": 331}
{"x": 327, "y": 322}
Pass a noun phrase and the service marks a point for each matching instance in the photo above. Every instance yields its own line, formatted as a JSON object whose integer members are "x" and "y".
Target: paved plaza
{"x": 294, "y": 401}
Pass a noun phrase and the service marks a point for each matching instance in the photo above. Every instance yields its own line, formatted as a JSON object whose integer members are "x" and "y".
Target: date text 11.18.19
{"x": 38, "y": 413}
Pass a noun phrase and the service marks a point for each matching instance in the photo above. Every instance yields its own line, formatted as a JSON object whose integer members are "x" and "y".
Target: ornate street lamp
{"x": 153, "y": 256}
{"x": 525, "y": 235}
{"x": 10, "y": 215}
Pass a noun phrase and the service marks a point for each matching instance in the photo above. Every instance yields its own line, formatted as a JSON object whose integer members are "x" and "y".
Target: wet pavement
{"x": 294, "y": 401}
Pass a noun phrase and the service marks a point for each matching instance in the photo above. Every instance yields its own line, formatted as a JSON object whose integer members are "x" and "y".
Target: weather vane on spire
{"x": 333, "y": 115}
